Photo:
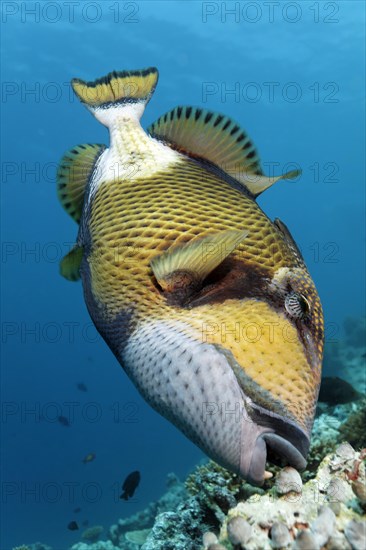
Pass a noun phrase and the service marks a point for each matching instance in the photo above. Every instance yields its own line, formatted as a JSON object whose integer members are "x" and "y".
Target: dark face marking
{"x": 237, "y": 279}
{"x": 232, "y": 279}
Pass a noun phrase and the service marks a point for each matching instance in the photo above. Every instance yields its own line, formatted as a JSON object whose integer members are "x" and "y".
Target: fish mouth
{"x": 269, "y": 436}
{"x": 266, "y": 434}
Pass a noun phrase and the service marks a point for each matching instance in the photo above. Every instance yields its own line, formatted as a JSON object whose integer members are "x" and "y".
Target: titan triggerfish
{"x": 206, "y": 303}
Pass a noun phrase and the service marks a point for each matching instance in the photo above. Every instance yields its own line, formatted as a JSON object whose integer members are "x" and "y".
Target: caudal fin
{"x": 126, "y": 88}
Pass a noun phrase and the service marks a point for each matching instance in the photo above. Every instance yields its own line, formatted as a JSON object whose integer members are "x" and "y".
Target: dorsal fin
{"x": 181, "y": 270}
{"x": 73, "y": 174}
{"x": 218, "y": 139}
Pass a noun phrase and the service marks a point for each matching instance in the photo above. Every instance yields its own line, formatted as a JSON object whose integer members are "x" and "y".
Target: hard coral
{"x": 144, "y": 519}
{"x": 353, "y": 429}
{"x": 315, "y": 518}
{"x": 217, "y": 489}
{"x": 93, "y": 533}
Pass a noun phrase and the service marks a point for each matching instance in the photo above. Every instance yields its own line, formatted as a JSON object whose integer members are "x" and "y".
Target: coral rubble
{"x": 310, "y": 517}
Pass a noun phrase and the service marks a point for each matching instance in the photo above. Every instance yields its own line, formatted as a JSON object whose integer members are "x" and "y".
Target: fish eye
{"x": 296, "y": 305}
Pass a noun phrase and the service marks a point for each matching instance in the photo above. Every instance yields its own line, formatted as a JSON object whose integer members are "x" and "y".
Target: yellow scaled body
{"x": 206, "y": 303}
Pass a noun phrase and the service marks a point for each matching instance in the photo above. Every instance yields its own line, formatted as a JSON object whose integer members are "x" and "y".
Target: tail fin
{"x": 133, "y": 88}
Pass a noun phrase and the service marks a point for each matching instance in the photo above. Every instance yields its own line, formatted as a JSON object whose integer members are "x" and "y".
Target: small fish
{"x": 81, "y": 386}
{"x": 89, "y": 458}
{"x": 206, "y": 302}
{"x": 336, "y": 391}
{"x": 64, "y": 421}
{"x": 77, "y": 510}
{"x": 73, "y": 526}
{"x": 130, "y": 485}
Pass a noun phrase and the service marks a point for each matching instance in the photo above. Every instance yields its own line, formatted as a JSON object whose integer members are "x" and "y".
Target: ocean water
{"x": 292, "y": 74}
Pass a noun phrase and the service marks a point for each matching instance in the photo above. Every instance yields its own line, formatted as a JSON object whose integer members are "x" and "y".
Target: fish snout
{"x": 262, "y": 444}
{"x": 193, "y": 385}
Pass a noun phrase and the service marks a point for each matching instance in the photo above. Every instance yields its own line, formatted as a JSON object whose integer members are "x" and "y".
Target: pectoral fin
{"x": 75, "y": 169}
{"x": 181, "y": 270}
{"x": 70, "y": 264}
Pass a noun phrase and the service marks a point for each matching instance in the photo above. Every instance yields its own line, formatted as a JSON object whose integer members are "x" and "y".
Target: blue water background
{"x": 312, "y": 53}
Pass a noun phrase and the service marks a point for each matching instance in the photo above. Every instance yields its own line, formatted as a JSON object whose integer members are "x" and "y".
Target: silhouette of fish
{"x": 205, "y": 301}
{"x": 336, "y": 391}
{"x": 81, "y": 386}
{"x": 73, "y": 526}
{"x": 77, "y": 510}
{"x": 130, "y": 485}
{"x": 89, "y": 458}
{"x": 64, "y": 421}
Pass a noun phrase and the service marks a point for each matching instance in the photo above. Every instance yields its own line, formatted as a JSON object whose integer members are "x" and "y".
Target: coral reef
{"x": 217, "y": 490}
{"x": 212, "y": 491}
{"x": 34, "y": 546}
{"x": 288, "y": 480}
{"x": 279, "y": 535}
{"x": 120, "y": 533}
{"x": 321, "y": 508}
{"x": 325, "y": 510}
{"x": 353, "y": 429}
{"x": 355, "y": 532}
{"x": 100, "y": 545}
{"x": 239, "y": 531}
{"x": 209, "y": 539}
{"x": 177, "y": 530}
{"x": 93, "y": 533}
{"x": 324, "y": 440}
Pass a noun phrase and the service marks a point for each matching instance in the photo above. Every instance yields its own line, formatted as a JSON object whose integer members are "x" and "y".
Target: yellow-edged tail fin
{"x": 117, "y": 88}
{"x": 73, "y": 174}
{"x": 217, "y": 138}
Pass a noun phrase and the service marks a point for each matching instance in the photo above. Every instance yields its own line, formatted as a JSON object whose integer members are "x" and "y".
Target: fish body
{"x": 206, "y": 303}
{"x": 336, "y": 391}
{"x": 88, "y": 458}
{"x": 130, "y": 485}
{"x": 73, "y": 526}
{"x": 64, "y": 421}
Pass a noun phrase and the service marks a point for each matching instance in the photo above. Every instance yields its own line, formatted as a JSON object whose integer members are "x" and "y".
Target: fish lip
{"x": 269, "y": 431}
{"x": 283, "y": 427}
